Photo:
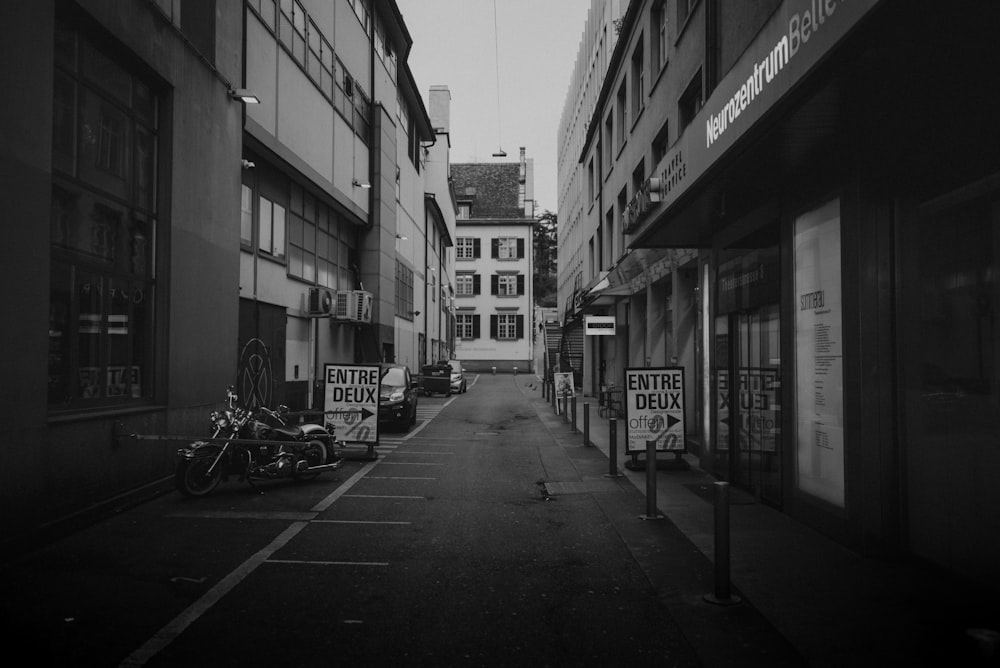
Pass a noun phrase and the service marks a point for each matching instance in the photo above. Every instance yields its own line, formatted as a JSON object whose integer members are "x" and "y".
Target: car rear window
{"x": 394, "y": 376}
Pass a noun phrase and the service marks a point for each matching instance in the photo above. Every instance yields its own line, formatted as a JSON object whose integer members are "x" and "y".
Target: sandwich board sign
{"x": 350, "y": 401}
{"x": 654, "y": 408}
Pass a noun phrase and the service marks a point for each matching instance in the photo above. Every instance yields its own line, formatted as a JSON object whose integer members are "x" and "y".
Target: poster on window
{"x": 819, "y": 365}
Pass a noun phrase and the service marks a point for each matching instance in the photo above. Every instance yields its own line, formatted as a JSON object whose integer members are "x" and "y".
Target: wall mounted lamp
{"x": 414, "y": 312}
{"x": 243, "y": 95}
{"x": 402, "y": 237}
{"x": 359, "y": 184}
{"x": 247, "y": 164}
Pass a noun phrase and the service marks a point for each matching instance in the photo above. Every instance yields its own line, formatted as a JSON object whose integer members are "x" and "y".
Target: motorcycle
{"x": 245, "y": 444}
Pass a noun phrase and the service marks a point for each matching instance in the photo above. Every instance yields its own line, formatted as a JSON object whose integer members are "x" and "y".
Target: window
{"x": 507, "y": 285}
{"x": 271, "y": 228}
{"x": 467, "y": 284}
{"x": 660, "y": 143}
{"x": 404, "y": 291}
{"x": 464, "y": 211}
{"x": 508, "y": 248}
{"x": 638, "y": 90}
{"x": 690, "y": 102}
{"x": 507, "y": 326}
{"x": 609, "y": 138}
{"x": 321, "y": 59}
{"x": 467, "y": 326}
{"x": 292, "y": 29}
{"x": 590, "y": 181}
{"x": 246, "y": 216}
{"x": 620, "y": 113}
{"x": 103, "y": 229}
{"x": 684, "y": 9}
{"x": 343, "y": 93}
{"x": 467, "y": 248}
{"x": 658, "y": 42}
{"x": 363, "y": 12}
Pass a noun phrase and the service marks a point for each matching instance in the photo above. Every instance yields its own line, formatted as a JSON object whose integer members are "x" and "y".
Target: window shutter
{"x": 520, "y": 249}
{"x": 493, "y": 327}
{"x": 520, "y": 284}
{"x": 476, "y": 331}
{"x": 476, "y": 248}
{"x": 519, "y": 326}
{"x": 494, "y": 248}
{"x": 476, "y": 280}
{"x": 494, "y": 284}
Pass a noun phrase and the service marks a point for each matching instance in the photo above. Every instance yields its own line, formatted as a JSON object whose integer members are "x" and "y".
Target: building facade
{"x": 494, "y": 264}
{"x": 208, "y": 193}
{"x": 822, "y": 191}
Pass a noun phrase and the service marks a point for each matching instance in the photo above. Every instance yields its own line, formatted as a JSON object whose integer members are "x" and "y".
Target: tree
{"x": 546, "y": 247}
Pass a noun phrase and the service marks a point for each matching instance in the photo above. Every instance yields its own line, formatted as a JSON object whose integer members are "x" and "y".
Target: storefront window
{"x": 103, "y": 227}
{"x": 819, "y": 364}
{"x": 949, "y": 367}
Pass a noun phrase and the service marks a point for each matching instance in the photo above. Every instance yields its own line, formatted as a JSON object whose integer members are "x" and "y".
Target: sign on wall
{"x": 350, "y": 401}
{"x": 599, "y": 325}
{"x": 654, "y": 408}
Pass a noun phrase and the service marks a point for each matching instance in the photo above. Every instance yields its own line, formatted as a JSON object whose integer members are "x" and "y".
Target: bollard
{"x": 723, "y": 590}
{"x": 494, "y": 370}
{"x": 545, "y": 390}
{"x": 613, "y": 449}
{"x": 651, "y": 513}
{"x": 515, "y": 371}
{"x": 563, "y": 400}
{"x": 573, "y": 403}
{"x": 586, "y": 425}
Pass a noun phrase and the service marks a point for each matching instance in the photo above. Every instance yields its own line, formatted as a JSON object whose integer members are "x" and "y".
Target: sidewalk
{"x": 835, "y": 607}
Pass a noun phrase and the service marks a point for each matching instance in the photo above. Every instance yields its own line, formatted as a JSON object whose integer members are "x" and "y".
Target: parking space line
{"x": 413, "y": 463}
{"x": 190, "y": 615}
{"x": 329, "y": 563}
{"x": 414, "y": 452}
{"x": 356, "y": 522}
{"x": 391, "y": 477}
{"x": 380, "y": 496}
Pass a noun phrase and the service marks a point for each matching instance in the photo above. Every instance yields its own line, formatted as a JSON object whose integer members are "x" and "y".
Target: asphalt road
{"x": 447, "y": 550}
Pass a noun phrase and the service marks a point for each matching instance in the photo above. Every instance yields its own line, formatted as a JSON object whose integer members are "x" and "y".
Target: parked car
{"x": 397, "y": 401}
{"x": 458, "y": 383}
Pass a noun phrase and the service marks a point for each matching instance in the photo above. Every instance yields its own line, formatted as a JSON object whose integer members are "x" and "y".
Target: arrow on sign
{"x": 340, "y": 412}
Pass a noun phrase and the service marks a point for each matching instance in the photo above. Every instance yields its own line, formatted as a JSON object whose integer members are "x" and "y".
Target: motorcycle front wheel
{"x": 193, "y": 477}
{"x": 315, "y": 454}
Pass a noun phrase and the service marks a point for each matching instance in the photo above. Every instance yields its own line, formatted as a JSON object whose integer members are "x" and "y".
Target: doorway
{"x": 746, "y": 443}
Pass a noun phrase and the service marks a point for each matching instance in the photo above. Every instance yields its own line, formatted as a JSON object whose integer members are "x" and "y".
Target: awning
{"x": 637, "y": 270}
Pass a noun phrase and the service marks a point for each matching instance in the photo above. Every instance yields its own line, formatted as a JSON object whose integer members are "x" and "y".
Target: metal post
{"x": 651, "y": 513}
{"x": 612, "y": 449}
{"x": 545, "y": 389}
{"x": 573, "y": 403}
{"x": 563, "y": 400}
{"x": 723, "y": 590}
{"x": 586, "y": 424}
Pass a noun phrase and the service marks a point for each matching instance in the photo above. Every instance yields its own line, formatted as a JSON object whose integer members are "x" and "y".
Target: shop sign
{"x": 599, "y": 325}
{"x": 643, "y": 200}
{"x": 654, "y": 409}
{"x": 350, "y": 401}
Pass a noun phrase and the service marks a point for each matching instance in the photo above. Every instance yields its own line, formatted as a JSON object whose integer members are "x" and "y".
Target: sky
{"x": 455, "y": 45}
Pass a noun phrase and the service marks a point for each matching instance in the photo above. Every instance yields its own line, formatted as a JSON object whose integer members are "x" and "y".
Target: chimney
{"x": 440, "y": 109}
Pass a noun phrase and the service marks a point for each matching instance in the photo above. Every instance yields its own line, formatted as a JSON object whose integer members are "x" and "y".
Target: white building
{"x": 494, "y": 264}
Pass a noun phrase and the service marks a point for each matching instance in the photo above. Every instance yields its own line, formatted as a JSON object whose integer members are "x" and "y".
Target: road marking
{"x": 186, "y": 618}
{"x": 413, "y": 463}
{"x": 356, "y": 522}
{"x": 391, "y": 477}
{"x": 380, "y": 496}
{"x": 414, "y": 452}
{"x": 329, "y": 563}
{"x": 237, "y": 515}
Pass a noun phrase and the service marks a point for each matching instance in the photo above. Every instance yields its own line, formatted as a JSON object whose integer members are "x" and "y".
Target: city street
{"x": 446, "y": 550}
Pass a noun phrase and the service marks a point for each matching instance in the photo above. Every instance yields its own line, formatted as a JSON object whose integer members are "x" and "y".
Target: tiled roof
{"x": 491, "y": 187}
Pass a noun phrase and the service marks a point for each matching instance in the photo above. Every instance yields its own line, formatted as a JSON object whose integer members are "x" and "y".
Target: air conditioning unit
{"x": 353, "y": 305}
{"x": 319, "y": 302}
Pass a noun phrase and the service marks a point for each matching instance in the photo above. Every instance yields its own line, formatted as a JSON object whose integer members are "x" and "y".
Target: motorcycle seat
{"x": 286, "y": 432}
